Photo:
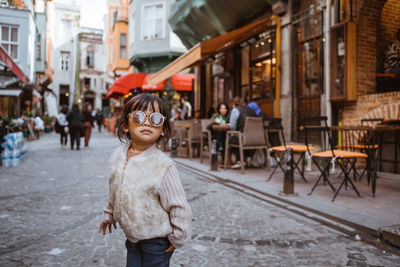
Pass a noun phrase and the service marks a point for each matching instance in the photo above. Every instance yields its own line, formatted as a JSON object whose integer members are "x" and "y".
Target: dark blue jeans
{"x": 148, "y": 252}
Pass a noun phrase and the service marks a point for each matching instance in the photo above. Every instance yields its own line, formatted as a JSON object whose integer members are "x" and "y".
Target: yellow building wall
{"x": 114, "y": 62}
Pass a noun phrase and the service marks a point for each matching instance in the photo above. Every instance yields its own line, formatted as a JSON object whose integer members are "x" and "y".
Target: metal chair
{"x": 345, "y": 159}
{"x": 253, "y": 137}
{"x": 274, "y": 125}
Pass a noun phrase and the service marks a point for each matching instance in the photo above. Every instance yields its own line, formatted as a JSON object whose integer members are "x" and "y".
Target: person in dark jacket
{"x": 236, "y": 121}
{"x": 88, "y": 122}
{"x": 99, "y": 119}
{"x": 75, "y": 118}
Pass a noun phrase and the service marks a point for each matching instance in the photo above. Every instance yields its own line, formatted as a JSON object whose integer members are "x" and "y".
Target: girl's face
{"x": 145, "y": 134}
{"x": 223, "y": 110}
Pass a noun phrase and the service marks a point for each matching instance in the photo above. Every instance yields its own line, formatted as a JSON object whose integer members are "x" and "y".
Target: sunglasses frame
{"x": 147, "y": 118}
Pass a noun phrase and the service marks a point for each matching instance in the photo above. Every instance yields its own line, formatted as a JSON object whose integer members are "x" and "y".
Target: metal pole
{"x": 288, "y": 184}
{"x": 214, "y": 155}
{"x": 173, "y": 147}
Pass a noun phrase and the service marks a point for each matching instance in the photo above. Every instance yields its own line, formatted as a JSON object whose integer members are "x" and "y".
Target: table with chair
{"x": 352, "y": 143}
{"x": 274, "y": 126}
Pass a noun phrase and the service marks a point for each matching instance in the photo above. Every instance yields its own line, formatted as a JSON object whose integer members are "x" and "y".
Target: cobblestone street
{"x": 51, "y": 206}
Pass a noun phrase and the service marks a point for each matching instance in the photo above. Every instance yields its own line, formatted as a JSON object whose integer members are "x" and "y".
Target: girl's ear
{"x": 162, "y": 133}
{"x": 125, "y": 128}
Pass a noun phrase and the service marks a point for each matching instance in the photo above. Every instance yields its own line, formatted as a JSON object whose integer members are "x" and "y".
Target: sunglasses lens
{"x": 138, "y": 117}
{"x": 156, "y": 119}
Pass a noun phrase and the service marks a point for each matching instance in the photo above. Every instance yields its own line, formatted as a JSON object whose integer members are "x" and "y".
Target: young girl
{"x": 146, "y": 196}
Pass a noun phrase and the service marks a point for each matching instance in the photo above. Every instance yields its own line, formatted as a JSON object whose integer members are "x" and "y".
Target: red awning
{"x": 12, "y": 65}
{"x": 183, "y": 82}
{"x": 125, "y": 84}
{"x": 159, "y": 86}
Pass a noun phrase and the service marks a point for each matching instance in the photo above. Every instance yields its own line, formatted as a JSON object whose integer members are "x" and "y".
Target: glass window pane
{"x": 6, "y": 46}
{"x": 4, "y": 33}
{"x": 148, "y": 12}
{"x": 14, "y": 34}
{"x": 123, "y": 39}
{"x": 14, "y": 51}
{"x": 158, "y": 29}
{"x": 159, "y": 11}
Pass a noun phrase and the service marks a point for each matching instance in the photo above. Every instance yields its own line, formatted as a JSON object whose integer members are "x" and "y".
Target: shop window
{"x": 9, "y": 39}
{"x": 64, "y": 94}
{"x": 64, "y": 61}
{"x": 122, "y": 45}
{"x": 153, "y": 22}
{"x": 263, "y": 66}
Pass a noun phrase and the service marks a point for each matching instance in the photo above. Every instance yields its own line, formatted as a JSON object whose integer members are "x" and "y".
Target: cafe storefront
{"x": 242, "y": 63}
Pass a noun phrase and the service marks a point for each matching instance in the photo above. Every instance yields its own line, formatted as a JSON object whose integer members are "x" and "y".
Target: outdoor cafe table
{"x": 366, "y": 148}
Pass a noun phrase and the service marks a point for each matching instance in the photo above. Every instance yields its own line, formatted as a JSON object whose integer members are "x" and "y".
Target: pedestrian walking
{"x": 88, "y": 122}
{"x": 186, "y": 109}
{"x": 99, "y": 119}
{"x": 39, "y": 126}
{"x": 75, "y": 118}
{"x": 62, "y": 125}
{"x": 146, "y": 196}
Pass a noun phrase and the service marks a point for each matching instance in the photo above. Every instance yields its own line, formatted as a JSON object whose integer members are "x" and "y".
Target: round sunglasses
{"x": 156, "y": 119}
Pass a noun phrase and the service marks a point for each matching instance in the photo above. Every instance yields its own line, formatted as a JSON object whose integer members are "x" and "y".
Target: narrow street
{"x": 51, "y": 206}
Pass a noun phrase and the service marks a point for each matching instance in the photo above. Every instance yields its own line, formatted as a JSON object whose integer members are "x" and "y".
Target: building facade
{"x": 152, "y": 43}
{"x": 92, "y": 69}
{"x": 63, "y": 19}
{"x": 17, "y": 57}
{"x": 117, "y": 36}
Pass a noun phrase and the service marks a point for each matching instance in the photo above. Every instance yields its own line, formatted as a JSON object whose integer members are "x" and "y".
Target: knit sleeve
{"x": 109, "y": 208}
{"x": 173, "y": 200}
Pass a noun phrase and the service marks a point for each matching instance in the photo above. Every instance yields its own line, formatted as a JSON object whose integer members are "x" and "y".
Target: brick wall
{"x": 372, "y": 106}
{"x": 377, "y": 24}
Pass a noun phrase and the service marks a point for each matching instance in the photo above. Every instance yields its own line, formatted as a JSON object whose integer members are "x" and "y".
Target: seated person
{"x": 237, "y": 119}
{"x": 273, "y": 138}
{"x": 220, "y": 118}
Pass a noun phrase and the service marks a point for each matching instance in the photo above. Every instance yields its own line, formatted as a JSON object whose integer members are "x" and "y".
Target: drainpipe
{"x": 327, "y": 62}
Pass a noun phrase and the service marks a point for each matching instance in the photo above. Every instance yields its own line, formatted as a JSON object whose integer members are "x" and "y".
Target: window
{"x": 65, "y": 61}
{"x": 86, "y": 82}
{"x": 90, "y": 59}
{"x": 122, "y": 39}
{"x": 9, "y": 39}
{"x": 153, "y": 22}
{"x": 38, "y": 48}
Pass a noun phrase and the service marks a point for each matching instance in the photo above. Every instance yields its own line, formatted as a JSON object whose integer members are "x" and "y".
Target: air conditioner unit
{"x": 279, "y": 8}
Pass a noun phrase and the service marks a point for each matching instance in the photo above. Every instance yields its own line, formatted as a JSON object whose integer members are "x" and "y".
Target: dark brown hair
{"x": 142, "y": 102}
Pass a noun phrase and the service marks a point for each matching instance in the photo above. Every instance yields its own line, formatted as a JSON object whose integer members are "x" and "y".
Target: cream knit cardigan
{"x": 146, "y": 198}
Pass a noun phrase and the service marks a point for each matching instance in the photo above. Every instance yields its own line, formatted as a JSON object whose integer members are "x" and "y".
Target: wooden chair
{"x": 344, "y": 159}
{"x": 205, "y": 141}
{"x": 253, "y": 137}
{"x": 274, "y": 125}
{"x": 194, "y": 135}
{"x": 180, "y": 132}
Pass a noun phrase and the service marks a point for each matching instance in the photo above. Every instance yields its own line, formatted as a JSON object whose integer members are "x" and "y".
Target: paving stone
{"x": 54, "y": 200}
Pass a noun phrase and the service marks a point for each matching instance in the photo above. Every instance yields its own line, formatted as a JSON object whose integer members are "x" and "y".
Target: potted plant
{"x": 48, "y": 123}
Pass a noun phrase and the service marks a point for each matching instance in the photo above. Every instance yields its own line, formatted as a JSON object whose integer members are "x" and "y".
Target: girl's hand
{"x": 103, "y": 227}
{"x": 170, "y": 249}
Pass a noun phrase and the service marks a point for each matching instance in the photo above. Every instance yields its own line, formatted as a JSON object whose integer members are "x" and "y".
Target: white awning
{"x": 10, "y": 92}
